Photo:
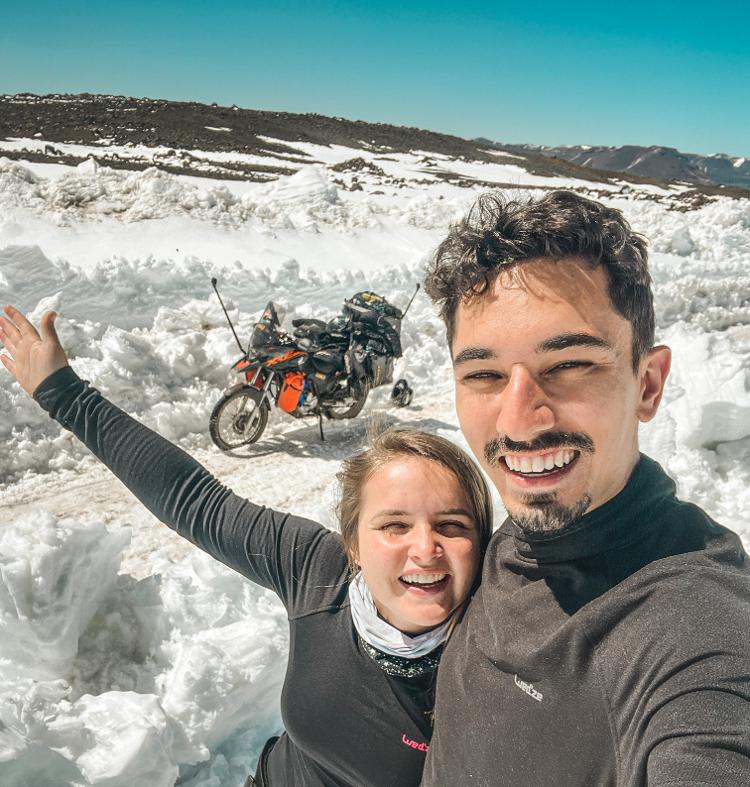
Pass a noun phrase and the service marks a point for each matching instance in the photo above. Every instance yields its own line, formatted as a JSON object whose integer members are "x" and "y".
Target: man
{"x": 608, "y": 643}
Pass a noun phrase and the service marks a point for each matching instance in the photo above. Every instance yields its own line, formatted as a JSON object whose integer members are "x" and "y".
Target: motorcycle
{"x": 326, "y": 369}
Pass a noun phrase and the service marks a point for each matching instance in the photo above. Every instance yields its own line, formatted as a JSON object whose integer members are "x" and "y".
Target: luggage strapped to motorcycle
{"x": 368, "y": 304}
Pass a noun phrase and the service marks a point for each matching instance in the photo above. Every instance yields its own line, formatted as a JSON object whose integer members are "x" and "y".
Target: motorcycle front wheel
{"x": 239, "y": 418}
{"x": 349, "y": 408}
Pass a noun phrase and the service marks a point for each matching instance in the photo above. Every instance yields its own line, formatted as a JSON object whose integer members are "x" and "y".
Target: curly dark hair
{"x": 498, "y": 232}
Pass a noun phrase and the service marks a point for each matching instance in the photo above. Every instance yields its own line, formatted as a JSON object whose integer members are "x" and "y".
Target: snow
{"x": 127, "y": 657}
{"x": 503, "y": 154}
{"x": 120, "y": 680}
{"x": 104, "y": 150}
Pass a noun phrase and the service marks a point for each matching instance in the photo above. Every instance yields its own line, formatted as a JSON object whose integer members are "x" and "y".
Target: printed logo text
{"x": 414, "y": 744}
{"x": 529, "y": 689}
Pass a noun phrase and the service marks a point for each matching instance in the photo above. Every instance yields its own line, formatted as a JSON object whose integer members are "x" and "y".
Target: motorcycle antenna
{"x": 213, "y": 284}
{"x": 408, "y": 305}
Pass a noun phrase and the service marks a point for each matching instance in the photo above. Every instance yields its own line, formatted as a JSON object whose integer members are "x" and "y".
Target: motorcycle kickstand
{"x": 320, "y": 426}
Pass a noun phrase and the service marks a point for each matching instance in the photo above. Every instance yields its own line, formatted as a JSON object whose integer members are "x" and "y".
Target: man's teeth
{"x": 539, "y": 464}
{"x": 423, "y": 579}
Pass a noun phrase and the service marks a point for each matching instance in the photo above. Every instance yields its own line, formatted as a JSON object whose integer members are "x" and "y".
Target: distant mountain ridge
{"x": 654, "y": 161}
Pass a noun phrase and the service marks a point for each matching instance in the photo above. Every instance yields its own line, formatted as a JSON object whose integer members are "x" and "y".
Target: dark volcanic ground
{"x": 87, "y": 119}
{"x": 181, "y": 127}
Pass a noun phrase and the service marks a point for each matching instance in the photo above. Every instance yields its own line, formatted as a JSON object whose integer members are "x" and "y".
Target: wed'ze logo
{"x": 413, "y": 744}
{"x": 528, "y": 688}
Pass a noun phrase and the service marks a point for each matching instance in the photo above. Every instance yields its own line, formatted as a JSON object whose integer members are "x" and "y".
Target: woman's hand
{"x": 35, "y": 357}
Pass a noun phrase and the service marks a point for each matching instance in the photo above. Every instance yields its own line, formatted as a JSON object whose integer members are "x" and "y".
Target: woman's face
{"x": 417, "y": 543}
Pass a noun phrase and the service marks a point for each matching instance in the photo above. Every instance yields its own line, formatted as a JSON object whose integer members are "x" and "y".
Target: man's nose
{"x": 424, "y": 544}
{"x": 525, "y": 409}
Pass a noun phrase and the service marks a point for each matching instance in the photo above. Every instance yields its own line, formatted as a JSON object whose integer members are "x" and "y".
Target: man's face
{"x": 546, "y": 393}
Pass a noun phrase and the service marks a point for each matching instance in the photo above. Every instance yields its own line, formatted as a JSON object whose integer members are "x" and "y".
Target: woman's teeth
{"x": 539, "y": 464}
{"x": 423, "y": 579}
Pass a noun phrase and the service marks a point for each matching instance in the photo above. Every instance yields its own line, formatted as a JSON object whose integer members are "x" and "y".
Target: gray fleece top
{"x": 614, "y": 653}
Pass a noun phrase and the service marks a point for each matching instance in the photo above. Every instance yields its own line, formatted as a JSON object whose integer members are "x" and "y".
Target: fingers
{"x": 20, "y": 322}
{"x": 16, "y": 326}
{"x": 9, "y": 334}
{"x": 8, "y": 363}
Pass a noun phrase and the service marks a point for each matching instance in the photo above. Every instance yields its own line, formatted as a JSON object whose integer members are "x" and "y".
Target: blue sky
{"x": 547, "y": 73}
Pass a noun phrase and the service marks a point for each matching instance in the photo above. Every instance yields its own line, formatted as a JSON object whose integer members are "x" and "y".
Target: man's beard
{"x": 541, "y": 512}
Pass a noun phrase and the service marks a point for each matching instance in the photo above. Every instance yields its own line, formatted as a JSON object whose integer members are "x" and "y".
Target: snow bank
{"x": 52, "y": 580}
{"x": 299, "y": 202}
{"x": 105, "y": 680}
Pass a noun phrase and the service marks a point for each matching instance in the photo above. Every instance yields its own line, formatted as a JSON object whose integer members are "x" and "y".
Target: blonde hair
{"x": 392, "y": 444}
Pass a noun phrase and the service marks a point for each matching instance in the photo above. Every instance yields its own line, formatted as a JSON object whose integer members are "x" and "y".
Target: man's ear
{"x": 653, "y": 372}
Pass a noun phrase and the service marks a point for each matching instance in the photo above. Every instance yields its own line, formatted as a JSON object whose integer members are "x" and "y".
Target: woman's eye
{"x": 452, "y": 526}
{"x": 395, "y": 527}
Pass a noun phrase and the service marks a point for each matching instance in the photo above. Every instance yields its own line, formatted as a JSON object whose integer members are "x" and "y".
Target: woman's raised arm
{"x": 269, "y": 547}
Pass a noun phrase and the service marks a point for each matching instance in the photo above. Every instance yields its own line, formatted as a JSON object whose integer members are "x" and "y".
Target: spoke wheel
{"x": 238, "y": 419}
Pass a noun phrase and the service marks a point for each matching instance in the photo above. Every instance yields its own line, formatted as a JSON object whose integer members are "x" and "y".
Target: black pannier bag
{"x": 328, "y": 361}
{"x": 375, "y": 319}
{"x": 376, "y": 328}
{"x": 381, "y": 370}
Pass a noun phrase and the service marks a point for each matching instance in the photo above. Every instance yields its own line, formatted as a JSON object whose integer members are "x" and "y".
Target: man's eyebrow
{"x": 565, "y": 340}
{"x": 474, "y": 354}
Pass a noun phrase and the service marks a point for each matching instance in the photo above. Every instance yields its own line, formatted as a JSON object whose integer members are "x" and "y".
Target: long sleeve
{"x": 681, "y": 701}
{"x": 289, "y": 555}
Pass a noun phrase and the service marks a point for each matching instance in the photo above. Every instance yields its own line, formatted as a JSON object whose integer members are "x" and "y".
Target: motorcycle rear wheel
{"x": 402, "y": 394}
{"x": 343, "y": 410}
{"x": 239, "y": 418}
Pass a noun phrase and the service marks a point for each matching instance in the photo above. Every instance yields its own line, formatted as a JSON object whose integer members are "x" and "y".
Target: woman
{"x": 369, "y": 609}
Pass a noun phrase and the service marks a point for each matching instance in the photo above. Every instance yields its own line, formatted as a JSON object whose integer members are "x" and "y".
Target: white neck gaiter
{"x": 382, "y": 635}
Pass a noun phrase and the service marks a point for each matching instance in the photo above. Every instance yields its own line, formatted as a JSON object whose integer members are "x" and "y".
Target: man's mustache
{"x": 498, "y": 446}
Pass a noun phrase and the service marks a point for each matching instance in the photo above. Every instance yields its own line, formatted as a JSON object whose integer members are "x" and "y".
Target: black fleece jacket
{"x": 348, "y": 723}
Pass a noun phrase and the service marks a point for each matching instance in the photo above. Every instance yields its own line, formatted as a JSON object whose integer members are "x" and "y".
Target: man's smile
{"x": 539, "y": 464}
{"x": 532, "y": 471}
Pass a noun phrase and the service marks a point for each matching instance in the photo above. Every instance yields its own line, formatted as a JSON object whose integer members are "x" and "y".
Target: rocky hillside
{"x": 247, "y": 144}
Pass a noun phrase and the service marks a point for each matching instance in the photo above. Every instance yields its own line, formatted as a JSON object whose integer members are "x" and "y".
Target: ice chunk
{"x": 53, "y": 577}
{"x": 682, "y": 242}
{"x": 714, "y": 405}
{"x": 118, "y": 739}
